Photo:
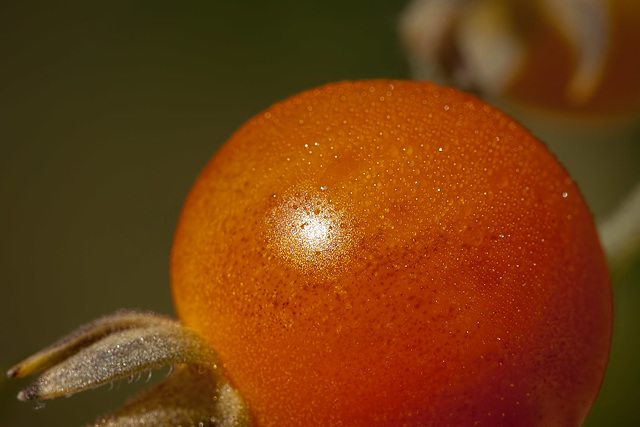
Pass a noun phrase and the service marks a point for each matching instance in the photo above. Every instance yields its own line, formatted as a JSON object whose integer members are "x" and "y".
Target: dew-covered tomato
{"x": 390, "y": 252}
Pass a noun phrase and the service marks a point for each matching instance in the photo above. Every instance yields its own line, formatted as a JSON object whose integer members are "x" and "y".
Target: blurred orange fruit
{"x": 580, "y": 58}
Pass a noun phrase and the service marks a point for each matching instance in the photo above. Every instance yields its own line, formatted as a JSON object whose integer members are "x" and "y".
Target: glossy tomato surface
{"x": 389, "y": 252}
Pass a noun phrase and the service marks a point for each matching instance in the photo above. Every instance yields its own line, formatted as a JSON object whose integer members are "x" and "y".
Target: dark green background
{"x": 108, "y": 111}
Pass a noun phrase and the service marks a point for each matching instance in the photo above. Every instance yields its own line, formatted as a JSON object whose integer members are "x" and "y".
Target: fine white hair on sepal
{"x": 123, "y": 346}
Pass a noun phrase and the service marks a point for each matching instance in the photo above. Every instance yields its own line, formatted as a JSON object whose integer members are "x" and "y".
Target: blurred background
{"x": 109, "y": 110}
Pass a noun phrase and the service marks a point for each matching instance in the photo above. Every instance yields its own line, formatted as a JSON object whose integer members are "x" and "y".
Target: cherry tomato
{"x": 563, "y": 57}
{"x": 390, "y": 252}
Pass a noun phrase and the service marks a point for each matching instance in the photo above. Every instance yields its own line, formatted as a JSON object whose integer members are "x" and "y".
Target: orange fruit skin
{"x": 393, "y": 252}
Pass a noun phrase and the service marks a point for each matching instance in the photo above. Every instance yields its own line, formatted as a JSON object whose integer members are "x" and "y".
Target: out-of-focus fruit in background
{"x": 575, "y": 57}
